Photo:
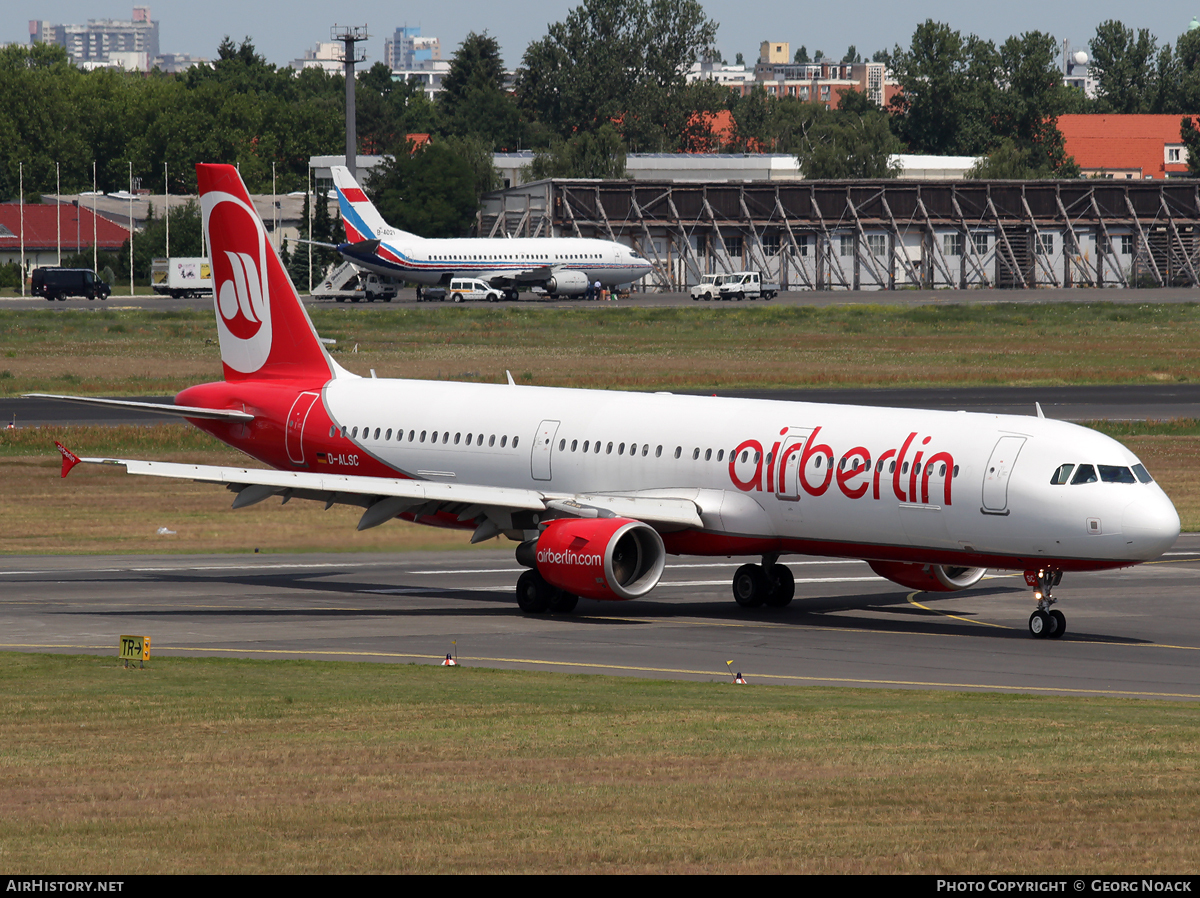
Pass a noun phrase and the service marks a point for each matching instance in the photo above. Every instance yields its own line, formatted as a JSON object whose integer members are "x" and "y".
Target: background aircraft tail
{"x": 264, "y": 331}
{"x": 359, "y": 215}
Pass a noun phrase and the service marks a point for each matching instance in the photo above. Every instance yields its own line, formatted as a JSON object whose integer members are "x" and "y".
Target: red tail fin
{"x": 264, "y": 332}
{"x": 70, "y": 459}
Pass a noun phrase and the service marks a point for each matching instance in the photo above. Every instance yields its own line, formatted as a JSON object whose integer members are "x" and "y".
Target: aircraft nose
{"x": 1150, "y": 526}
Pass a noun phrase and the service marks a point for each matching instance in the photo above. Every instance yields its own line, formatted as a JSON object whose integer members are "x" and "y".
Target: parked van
{"x": 59, "y": 283}
{"x": 468, "y": 288}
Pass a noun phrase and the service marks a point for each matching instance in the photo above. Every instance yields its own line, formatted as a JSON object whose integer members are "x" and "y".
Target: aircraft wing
{"x": 491, "y": 507}
{"x": 509, "y": 278}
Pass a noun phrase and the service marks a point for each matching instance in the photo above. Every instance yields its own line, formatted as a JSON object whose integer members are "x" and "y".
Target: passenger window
{"x": 376, "y": 433}
{"x": 562, "y": 444}
{"x": 515, "y": 439}
{"x": 388, "y": 435}
{"x": 678, "y": 451}
{"x": 708, "y": 455}
{"x": 1062, "y": 475}
{"x": 574, "y": 445}
{"x": 695, "y": 454}
{"x": 645, "y": 449}
{"x": 503, "y": 440}
{"x": 457, "y": 436}
{"x": 1085, "y": 474}
{"x": 621, "y": 449}
{"x": 491, "y": 441}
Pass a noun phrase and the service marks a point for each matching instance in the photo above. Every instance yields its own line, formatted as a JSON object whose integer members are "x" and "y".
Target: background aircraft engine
{"x": 601, "y": 558}
{"x": 928, "y": 577}
{"x": 567, "y": 283}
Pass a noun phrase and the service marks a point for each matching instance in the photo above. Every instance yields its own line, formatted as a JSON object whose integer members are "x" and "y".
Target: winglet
{"x": 70, "y": 459}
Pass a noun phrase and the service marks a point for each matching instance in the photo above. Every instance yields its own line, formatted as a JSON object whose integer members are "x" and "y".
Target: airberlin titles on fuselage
{"x": 786, "y": 469}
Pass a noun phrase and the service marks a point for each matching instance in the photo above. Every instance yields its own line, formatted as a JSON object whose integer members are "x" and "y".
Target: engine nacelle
{"x": 928, "y": 577}
{"x": 601, "y": 558}
{"x": 567, "y": 283}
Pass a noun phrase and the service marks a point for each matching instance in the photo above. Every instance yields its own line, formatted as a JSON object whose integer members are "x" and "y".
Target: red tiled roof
{"x": 1122, "y": 142}
{"x": 41, "y": 231}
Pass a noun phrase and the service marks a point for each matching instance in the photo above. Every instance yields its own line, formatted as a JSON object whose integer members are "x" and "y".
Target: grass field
{"x": 103, "y": 351}
{"x": 243, "y": 766}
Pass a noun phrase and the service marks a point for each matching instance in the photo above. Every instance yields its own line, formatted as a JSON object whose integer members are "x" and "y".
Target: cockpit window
{"x": 1142, "y": 474}
{"x": 1062, "y": 475}
{"x": 1085, "y": 474}
{"x": 1115, "y": 474}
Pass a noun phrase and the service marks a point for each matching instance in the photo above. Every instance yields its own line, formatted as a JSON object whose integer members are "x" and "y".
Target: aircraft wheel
{"x": 565, "y": 603}
{"x": 341, "y": 299}
{"x": 1039, "y": 625}
{"x": 512, "y": 296}
{"x": 749, "y": 586}
{"x": 534, "y": 594}
{"x": 457, "y": 297}
{"x": 1060, "y": 621}
{"x": 784, "y": 588}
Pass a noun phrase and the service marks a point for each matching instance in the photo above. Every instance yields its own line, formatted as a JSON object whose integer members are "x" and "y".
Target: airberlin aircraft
{"x": 598, "y": 487}
{"x": 562, "y": 266}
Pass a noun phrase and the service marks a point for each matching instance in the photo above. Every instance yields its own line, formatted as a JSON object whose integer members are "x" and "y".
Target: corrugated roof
{"x": 41, "y": 230}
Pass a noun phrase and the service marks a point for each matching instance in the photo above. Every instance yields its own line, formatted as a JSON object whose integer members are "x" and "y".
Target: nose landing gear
{"x": 1044, "y": 623}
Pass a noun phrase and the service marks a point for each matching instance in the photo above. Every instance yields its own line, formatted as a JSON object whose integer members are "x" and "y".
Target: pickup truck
{"x": 747, "y": 285}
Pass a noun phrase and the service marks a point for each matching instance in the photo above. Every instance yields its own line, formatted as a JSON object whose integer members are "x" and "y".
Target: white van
{"x": 462, "y": 289}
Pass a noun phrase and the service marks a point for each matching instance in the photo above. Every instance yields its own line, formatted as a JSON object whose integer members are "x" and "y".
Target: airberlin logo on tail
{"x": 239, "y": 261}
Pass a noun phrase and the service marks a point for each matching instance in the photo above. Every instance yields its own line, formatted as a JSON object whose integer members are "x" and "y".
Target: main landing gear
{"x": 536, "y": 596}
{"x": 1044, "y": 623}
{"x": 769, "y": 584}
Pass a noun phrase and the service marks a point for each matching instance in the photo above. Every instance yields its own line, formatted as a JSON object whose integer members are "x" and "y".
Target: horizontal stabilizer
{"x": 158, "y": 408}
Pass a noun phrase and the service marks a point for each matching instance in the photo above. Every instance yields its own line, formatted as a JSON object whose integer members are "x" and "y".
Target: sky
{"x": 282, "y": 31}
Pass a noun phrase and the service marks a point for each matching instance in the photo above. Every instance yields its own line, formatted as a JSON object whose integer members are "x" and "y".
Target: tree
{"x": 1123, "y": 65}
{"x": 801, "y": 55}
{"x": 852, "y": 55}
{"x": 1189, "y": 133}
{"x": 589, "y": 155}
{"x": 475, "y": 67}
{"x": 1030, "y": 101}
{"x": 432, "y": 192}
{"x": 615, "y": 61}
{"x": 948, "y": 91}
{"x": 851, "y": 143}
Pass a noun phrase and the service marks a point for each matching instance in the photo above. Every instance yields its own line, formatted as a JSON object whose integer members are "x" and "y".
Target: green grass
{"x": 292, "y": 766}
{"x": 126, "y": 352}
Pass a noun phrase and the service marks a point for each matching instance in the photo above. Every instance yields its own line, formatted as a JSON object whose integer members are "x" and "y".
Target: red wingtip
{"x": 70, "y": 459}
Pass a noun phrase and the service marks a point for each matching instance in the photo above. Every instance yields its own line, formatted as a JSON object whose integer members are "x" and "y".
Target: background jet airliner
{"x": 598, "y": 487}
{"x": 562, "y": 266}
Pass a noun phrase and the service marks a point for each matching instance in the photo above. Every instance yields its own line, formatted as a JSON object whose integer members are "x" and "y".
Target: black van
{"x": 59, "y": 283}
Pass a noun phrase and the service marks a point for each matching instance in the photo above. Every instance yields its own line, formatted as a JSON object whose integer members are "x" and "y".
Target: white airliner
{"x": 598, "y": 487}
{"x": 562, "y": 266}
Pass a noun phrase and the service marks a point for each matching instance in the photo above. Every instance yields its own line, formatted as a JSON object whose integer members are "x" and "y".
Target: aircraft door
{"x": 294, "y": 436}
{"x": 787, "y": 471}
{"x": 996, "y": 474}
{"x": 543, "y": 448}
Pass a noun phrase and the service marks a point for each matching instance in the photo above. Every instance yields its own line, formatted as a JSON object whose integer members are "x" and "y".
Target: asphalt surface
{"x": 408, "y": 297}
{"x": 1130, "y": 633}
{"x": 1083, "y": 403}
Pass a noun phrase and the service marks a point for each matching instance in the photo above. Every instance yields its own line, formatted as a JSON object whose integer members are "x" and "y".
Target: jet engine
{"x": 598, "y": 558}
{"x": 567, "y": 283}
{"x": 928, "y": 577}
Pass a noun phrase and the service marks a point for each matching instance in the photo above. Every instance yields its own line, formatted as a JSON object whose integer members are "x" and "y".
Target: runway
{"x": 1131, "y": 633}
{"x": 1074, "y": 403}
